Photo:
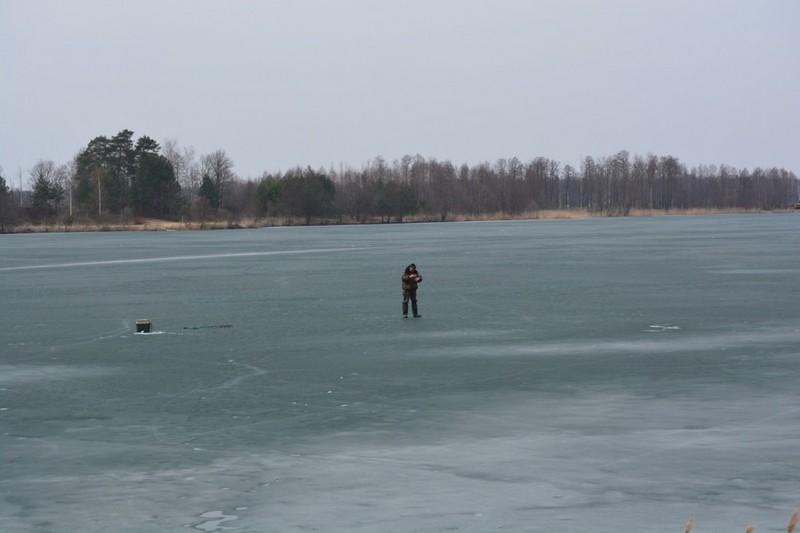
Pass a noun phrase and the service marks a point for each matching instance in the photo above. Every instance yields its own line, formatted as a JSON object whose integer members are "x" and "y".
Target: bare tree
{"x": 443, "y": 181}
{"x": 568, "y": 192}
{"x": 219, "y": 168}
{"x": 187, "y": 170}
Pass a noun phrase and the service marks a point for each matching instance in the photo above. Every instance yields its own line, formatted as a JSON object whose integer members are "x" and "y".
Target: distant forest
{"x": 118, "y": 179}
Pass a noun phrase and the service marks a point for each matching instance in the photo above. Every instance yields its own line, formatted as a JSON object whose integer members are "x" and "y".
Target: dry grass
{"x": 792, "y": 523}
{"x": 694, "y": 211}
{"x": 547, "y": 214}
{"x": 149, "y": 224}
{"x": 751, "y": 529}
{"x": 561, "y": 214}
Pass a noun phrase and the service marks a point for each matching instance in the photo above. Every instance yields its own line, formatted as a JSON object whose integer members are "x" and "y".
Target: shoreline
{"x": 141, "y": 224}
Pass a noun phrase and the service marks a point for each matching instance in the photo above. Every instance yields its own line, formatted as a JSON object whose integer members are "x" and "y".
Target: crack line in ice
{"x": 638, "y": 346}
{"x": 658, "y": 328}
{"x": 175, "y": 258}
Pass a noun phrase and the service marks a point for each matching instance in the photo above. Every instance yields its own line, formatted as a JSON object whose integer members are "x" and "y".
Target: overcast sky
{"x": 279, "y": 84}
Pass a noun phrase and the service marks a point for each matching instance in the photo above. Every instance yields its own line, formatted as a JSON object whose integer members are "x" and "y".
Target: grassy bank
{"x": 143, "y": 224}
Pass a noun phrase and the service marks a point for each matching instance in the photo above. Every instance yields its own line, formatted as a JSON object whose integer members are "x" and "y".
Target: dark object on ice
{"x": 143, "y": 326}
{"x": 207, "y": 327}
{"x": 411, "y": 279}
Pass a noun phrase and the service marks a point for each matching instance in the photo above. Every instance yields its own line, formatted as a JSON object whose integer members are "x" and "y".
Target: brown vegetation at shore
{"x": 751, "y": 529}
{"x": 152, "y": 224}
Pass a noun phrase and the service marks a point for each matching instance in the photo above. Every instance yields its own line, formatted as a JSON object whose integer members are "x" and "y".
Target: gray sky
{"x": 277, "y": 84}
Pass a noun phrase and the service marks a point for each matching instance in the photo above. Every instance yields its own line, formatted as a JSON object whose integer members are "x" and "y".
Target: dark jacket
{"x": 410, "y": 279}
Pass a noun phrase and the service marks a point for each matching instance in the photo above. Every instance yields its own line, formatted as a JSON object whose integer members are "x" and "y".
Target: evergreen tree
{"x": 268, "y": 194}
{"x": 106, "y": 169}
{"x": 308, "y": 194}
{"x": 209, "y": 191}
{"x": 146, "y": 145}
{"x": 6, "y": 204}
{"x": 155, "y": 191}
{"x": 45, "y": 197}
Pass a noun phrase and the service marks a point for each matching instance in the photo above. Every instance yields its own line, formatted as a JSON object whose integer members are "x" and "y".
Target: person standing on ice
{"x": 410, "y": 279}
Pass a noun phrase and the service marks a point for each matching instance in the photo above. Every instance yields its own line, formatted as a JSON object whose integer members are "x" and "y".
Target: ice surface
{"x": 603, "y": 375}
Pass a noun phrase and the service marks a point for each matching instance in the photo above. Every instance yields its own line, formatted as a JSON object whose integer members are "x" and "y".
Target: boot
{"x": 405, "y": 309}
{"x": 414, "y": 309}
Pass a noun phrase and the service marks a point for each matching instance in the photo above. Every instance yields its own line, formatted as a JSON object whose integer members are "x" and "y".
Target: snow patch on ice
{"x": 217, "y": 519}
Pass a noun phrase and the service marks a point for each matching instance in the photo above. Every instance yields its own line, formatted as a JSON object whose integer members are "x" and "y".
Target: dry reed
{"x": 751, "y": 529}
{"x": 792, "y": 522}
{"x": 148, "y": 224}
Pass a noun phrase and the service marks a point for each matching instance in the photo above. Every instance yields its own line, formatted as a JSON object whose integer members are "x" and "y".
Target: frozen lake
{"x": 603, "y": 375}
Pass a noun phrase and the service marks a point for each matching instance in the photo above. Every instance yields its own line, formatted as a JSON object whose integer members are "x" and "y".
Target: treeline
{"x": 612, "y": 185}
{"x": 119, "y": 179}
